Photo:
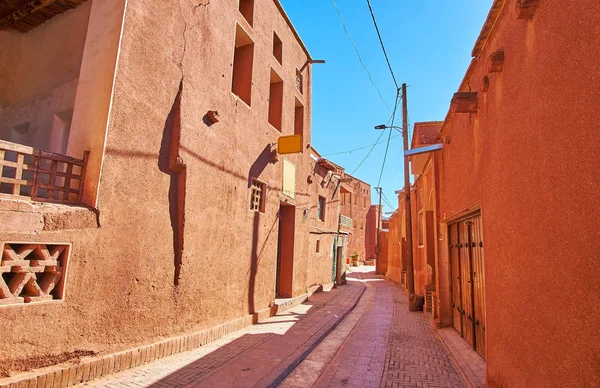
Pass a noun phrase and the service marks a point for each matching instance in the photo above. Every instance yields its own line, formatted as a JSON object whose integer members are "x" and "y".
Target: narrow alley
{"x": 282, "y": 193}
{"x": 360, "y": 335}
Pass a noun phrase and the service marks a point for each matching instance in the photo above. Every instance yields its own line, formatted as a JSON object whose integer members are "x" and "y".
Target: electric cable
{"x": 391, "y": 127}
{"x": 377, "y": 142}
{"x": 382, "y": 45}
{"x": 360, "y": 148}
{"x": 358, "y": 54}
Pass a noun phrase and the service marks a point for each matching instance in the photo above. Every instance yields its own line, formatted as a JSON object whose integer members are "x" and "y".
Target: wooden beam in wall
{"x": 464, "y": 102}
{"x": 496, "y": 62}
{"x": 526, "y": 8}
{"x": 25, "y": 10}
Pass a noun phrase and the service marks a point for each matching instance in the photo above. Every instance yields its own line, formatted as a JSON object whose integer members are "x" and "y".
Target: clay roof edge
{"x": 289, "y": 23}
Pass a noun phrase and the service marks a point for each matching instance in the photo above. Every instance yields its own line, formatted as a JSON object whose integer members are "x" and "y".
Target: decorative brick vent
{"x": 32, "y": 272}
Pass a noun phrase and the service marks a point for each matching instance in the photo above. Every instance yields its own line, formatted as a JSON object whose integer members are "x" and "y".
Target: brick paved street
{"x": 378, "y": 344}
{"x": 389, "y": 347}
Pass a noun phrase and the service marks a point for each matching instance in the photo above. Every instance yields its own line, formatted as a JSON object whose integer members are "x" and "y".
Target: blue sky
{"x": 429, "y": 44}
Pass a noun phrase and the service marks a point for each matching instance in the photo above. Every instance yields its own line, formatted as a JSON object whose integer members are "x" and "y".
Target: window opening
{"x": 243, "y": 59}
{"x": 321, "y": 208}
{"x": 276, "y": 100}
{"x": 277, "y": 48}
{"x": 299, "y": 118}
{"x": 247, "y": 10}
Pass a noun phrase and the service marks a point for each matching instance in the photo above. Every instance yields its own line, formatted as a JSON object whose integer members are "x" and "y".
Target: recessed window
{"x": 420, "y": 227}
{"x": 318, "y": 247}
{"x": 243, "y": 59}
{"x": 299, "y": 81}
{"x": 299, "y": 118}
{"x": 275, "y": 100}
{"x": 257, "y": 196}
{"x": 321, "y": 209}
{"x": 277, "y": 48}
{"x": 362, "y": 225}
{"x": 247, "y": 10}
{"x": 364, "y": 201}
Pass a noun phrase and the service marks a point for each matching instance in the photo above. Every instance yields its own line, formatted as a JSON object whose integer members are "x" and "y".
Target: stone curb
{"x": 91, "y": 369}
{"x": 345, "y": 329}
{"x": 304, "y": 354}
{"x": 455, "y": 362}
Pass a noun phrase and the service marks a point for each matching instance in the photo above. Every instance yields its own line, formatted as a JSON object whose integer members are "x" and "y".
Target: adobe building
{"x": 510, "y": 199}
{"x": 329, "y": 229}
{"x": 356, "y": 204}
{"x": 141, "y": 195}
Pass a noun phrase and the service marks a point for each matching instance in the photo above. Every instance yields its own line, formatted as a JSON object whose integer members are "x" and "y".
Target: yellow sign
{"x": 291, "y": 144}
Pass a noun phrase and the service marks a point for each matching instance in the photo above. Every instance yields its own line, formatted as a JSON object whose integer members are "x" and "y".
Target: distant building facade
{"x": 356, "y": 204}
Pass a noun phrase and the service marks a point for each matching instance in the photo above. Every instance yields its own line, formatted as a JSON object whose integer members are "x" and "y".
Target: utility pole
{"x": 410, "y": 274}
{"x": 378, "y": 225}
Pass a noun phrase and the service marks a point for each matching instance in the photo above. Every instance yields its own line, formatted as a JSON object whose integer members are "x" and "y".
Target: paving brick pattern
{"x": 415, "y": 356}
{"x": 390, "y": 347}
{"x": 360, "y": 360}
{"x": 259, "y": 355}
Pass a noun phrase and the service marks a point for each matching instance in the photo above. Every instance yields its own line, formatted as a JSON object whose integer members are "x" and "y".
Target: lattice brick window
{"x": 32, "y": 272}
{"x": 257, "y": 196}
{"x": 299, "y": 81}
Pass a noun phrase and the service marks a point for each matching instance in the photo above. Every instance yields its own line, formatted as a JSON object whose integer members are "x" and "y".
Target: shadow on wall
{"x": 260, "y": 164}
{"x": 170, "y": 163}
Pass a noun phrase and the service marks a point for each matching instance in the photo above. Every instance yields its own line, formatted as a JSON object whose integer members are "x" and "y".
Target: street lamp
{"x": 383, "y": 126}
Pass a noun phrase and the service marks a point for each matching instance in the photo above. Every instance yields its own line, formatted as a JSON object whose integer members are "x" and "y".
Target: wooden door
{"x": 465, "y": 282}
{"x": 478, "y": 283}
{"x": 455, "y": 277}
{"x": 468, "y": 280}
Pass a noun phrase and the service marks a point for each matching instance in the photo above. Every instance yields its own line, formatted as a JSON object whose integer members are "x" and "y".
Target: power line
{"x": 377, "y": 142}
{"x": 387, "y": 201}
{"x": 382, "y": 46}
{"x": 358, "y": 54}
{"x": 365, "y": 158}
{"x": 360, "y": 148}
{"x": 389, "y": 136}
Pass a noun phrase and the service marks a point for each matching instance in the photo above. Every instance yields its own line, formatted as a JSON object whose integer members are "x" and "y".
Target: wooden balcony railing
{"x": 28, "y": 173}
{"x": 345, "y": 222}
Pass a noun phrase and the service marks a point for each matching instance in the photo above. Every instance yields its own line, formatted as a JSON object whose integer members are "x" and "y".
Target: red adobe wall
{"x": 175, "y": 65}
{"x": 358, "y": 209}
{"x": 530, "y": 158}
{"x": 371, "y": 232}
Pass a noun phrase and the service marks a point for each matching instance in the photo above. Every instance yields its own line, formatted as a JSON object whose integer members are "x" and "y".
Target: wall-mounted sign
{"x": 291, "y": 144}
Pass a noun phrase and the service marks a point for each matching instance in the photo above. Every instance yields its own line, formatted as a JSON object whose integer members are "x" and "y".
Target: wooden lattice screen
{"x": 39, "y": 175}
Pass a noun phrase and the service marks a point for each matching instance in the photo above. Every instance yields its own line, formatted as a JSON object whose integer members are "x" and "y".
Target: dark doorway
{"x": 285, "y": 251}
{"x": 339, "y": 265}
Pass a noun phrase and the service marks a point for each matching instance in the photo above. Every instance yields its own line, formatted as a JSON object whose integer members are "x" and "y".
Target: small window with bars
{"x": 257, "y": 196}
{"x": 299, "y": 81}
